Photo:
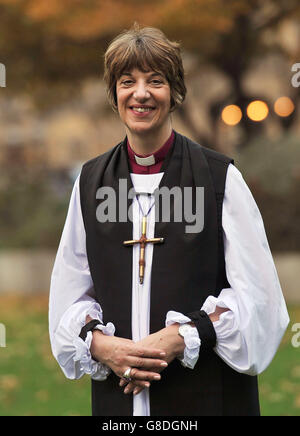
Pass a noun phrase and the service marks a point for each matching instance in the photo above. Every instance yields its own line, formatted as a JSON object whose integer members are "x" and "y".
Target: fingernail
{"x": 164, "y": 364}
{"x": 147, "y": 385}
{"x": 163, "y": 354}
{"x": 135, "y": 391}
{"x": 157, "y": 377}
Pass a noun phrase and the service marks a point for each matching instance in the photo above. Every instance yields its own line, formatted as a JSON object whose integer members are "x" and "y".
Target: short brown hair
{"x": 144, "y": 48}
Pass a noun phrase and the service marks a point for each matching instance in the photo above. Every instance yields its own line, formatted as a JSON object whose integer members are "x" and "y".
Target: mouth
{"x": 142, "y": 110}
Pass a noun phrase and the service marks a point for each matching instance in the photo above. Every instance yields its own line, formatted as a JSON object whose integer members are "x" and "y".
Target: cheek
{"x": 168, "y": 99}
{"x": 120, "y": 104}
{"x": 166, "y": 103}
{"x": 119, "y": 98}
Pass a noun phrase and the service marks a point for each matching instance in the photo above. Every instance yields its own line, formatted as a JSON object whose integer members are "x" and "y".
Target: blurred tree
{"x": 63, "y": 41}
{"x": 33, "y": 206}
{"x": 55, "y": 44}
{"x": 275, "y": 184}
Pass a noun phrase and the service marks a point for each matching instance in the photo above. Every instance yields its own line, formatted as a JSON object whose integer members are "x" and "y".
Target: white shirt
{"x": 248, "y": 334}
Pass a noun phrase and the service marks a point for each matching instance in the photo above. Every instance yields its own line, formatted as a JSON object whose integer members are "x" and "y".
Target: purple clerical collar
{"x": 150, "y": 163}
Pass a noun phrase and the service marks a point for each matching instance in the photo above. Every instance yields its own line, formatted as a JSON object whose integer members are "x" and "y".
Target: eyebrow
{"x": 151, "y": 75}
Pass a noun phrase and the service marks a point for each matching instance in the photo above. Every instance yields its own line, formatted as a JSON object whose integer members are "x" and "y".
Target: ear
{"x": 172, "y": 104}
{"x": 115, "y": 96}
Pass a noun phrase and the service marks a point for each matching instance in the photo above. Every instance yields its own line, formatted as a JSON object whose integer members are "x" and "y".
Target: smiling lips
{"x": 142, "y": 109}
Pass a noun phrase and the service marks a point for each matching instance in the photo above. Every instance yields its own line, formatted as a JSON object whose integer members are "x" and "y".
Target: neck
{"x": 150, "y": 142}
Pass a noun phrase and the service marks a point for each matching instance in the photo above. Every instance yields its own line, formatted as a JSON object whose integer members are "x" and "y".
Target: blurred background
{"x": 242, "y": 73}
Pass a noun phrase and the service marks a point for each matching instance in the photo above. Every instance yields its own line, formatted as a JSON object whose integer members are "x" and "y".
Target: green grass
{"x": 279, "y": 384}
{"x": 31, "y": 382}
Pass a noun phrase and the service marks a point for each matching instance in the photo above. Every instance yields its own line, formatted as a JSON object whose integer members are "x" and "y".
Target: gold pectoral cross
{"x": 143, "y": 241}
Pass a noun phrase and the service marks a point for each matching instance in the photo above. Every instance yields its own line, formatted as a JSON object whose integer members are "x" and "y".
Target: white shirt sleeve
{"x": 248, "y": 335}
{"x": 72, "y": 298}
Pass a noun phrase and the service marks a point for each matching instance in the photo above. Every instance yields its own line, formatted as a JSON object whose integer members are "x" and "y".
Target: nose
{"x": 141, "y": 92}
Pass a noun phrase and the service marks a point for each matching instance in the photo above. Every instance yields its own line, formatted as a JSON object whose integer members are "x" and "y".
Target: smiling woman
{"x": 146, "y": 49}
{"x": 144, "y": 101}
{"x": 145, "y": 82}
{"x": 196, "y": 316}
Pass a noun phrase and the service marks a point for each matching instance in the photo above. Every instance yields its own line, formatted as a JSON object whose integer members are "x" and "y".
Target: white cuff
{"x": 191, "y": 339}
{"x": 97, "y": 371}
{"x": 108, "y": 329}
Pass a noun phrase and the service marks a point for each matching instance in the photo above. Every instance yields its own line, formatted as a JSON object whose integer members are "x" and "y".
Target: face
{"x": 143, "y": 101}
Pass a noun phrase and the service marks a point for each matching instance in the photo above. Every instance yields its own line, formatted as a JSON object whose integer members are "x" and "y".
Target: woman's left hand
{"x": 166, "y": 339}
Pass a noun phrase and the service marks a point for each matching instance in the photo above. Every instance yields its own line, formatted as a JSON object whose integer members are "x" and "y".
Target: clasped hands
{"x": 147, "y": 358}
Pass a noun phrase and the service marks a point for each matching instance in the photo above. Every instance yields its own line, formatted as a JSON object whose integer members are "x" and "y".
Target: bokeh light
{"x": 284, "y": 106}
{"x": 231, "y": 115}
{"x": 257, "y": 110}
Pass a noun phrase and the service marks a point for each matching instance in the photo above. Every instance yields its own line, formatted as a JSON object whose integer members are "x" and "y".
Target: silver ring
{"x": 126, "y": 375}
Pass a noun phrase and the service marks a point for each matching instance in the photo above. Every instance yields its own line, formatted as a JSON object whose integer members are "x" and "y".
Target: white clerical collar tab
{"x": 145, "y": 161}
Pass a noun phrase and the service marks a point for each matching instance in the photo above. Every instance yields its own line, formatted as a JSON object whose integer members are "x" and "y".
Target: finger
{"x": 123, "y": 382}
{"x": 133, "y": 387}
{"x": 141, "y": 362}
{"x": 137, "y": 390}
{"x": 137, "y": 383}
{"x": 137, "y": 374}
{"x": 129, "y": 388}
{"x": 147, "y": 352}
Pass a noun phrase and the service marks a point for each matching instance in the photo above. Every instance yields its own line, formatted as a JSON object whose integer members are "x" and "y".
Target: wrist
{"x": 98, "y": 345}
{"x": 216, "y": 315}
{"x": 213, "y": 317}
{"x": 176, "y": 340}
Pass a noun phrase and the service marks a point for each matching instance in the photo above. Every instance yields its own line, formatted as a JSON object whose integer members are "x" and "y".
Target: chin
{"x": 140, "y": 129}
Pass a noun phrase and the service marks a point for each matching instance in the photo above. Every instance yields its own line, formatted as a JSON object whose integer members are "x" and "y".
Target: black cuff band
{"x": 88, "y": 327}
{"x": 205, "y": 329}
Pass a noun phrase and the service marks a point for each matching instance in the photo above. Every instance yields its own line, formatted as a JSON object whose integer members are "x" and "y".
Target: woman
{"x": 185, "y": 315}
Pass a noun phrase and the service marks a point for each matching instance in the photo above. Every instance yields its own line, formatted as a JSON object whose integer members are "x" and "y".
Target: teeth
{"x": 142, "y": 109}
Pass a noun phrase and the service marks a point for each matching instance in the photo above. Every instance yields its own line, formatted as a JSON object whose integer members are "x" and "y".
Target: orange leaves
{"x": 89, "y": 19}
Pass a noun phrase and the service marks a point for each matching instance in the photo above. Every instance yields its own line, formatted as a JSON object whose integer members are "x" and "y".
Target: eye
{"x": 127, "y": 82}
{"x": 156, "y": 81}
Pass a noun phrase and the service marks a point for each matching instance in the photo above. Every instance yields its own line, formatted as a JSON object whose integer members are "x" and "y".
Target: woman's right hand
{"x": 119, "y": 354}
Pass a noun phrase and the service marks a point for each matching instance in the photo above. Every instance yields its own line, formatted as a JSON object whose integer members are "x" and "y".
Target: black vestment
{"x": 186, "y": 269}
